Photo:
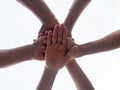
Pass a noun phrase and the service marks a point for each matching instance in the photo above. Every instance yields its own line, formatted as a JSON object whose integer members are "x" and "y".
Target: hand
{"x": 39, "y": 48}
{"x": 56, "y": 56}
{"x": 46, "y": 26}
{"x": 70, "y": 40}
{"x": 71, "y": 43}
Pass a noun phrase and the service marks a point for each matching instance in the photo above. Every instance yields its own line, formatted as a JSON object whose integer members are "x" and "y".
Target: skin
{"x": 82, "y": 82}
{"x": 56, "y": 57}
{"x": 107, "y": 43}
{"x": 49, "y": 21}
{"x": 75, "y": 11}
{"x": 28, "y": 52}
{"x": 44, "y": 14}
{"x": 80, "y": 79}
{"x": 28, "y": 48}
{"x": 39, "y": 8}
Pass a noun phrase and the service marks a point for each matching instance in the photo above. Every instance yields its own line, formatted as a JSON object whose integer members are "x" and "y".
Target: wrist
{"x": 81, "y": 51}
{"x": 50, "y": 20}
{"x": 48, "y": 69}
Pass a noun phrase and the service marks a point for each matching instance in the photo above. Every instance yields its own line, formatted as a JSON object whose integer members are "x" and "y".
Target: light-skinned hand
{"x": 56, "y": 56}
{"x": 39, "y": 48}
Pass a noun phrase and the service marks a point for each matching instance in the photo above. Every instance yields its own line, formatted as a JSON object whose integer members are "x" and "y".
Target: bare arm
{"x": 42, "y": 11}
{"x": 47, "y": 79}
{"x": 55, "y": 57}
{"x": 107, "y": 43}
{"x": 70, "y": 15}
{"x": 13, "y": 56}
{"x": 80, "y": 79}
{"x": 16, "y": 55}
{"x": 39, "y": 8}
{"x": 76, "y": 9}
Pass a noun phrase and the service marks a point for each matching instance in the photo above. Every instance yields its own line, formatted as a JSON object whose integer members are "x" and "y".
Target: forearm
{"x": 75, "y": 11}
{"x": 77, "y": 7}
{"x": 109, "y": 42}
{"x": 39, "y": 8}
{"x": 80, "y": 79}
{"x": 47, "y": 80}
{"x": 16, "y": 55}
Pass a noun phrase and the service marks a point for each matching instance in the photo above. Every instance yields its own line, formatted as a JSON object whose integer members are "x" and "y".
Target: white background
{"x": 19, "y": 26}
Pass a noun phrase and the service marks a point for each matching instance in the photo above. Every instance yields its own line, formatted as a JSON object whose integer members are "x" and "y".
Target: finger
{"x": 49, "y": 38}
{"x": 46, "y": 32}
{"x": 60, "y": 35}
{"x": 45, "y": 42}
{"x": 64, "y": 38}
{"x": 43, "y": 38}
{"x": 43, "y": 47}
{"x": 70, "y": 54}
{"x": 40, "y": 40}
{"x": 55, "y": 34}
{"x": 40, "y": 35}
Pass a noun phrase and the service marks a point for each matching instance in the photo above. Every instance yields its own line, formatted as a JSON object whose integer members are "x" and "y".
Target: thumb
{"x": 71, "y": 52}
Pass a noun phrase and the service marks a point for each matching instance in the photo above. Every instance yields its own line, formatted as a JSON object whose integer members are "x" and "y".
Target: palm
{"x": 55, "y": 56}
